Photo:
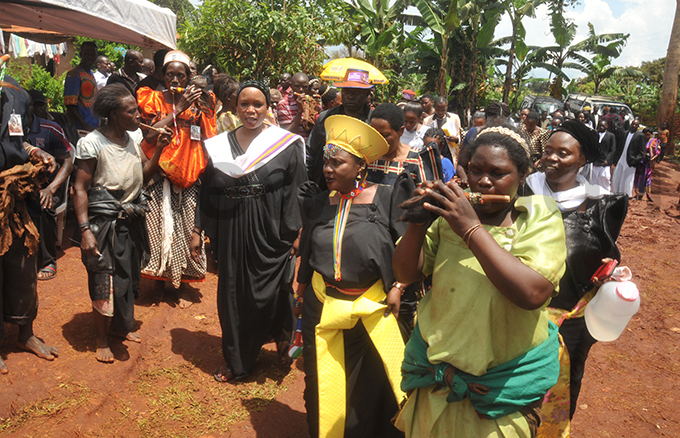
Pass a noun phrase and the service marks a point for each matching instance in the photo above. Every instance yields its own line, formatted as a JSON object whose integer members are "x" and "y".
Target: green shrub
{"x": 52, "y": 88}
{"x": 35, "y": 77}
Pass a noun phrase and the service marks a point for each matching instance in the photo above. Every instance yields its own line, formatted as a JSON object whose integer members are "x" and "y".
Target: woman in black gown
{"x": 349, "y": 327}
{"x": 593, "y": 218}
{"x": 249, "y": 209}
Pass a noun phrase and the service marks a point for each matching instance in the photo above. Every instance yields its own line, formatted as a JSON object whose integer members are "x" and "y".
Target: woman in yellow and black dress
{"x": 353, "y": 346}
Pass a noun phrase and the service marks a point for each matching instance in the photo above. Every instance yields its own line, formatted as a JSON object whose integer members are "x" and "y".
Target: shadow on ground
{"x": 81, "y": 334}
{"x": 276, "y": 420}
{"x": 204, "y": 351}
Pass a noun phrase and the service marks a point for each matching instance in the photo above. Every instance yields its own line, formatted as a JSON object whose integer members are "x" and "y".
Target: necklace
{"x": 342, "y": 213}
{"x": 354, "y": 192}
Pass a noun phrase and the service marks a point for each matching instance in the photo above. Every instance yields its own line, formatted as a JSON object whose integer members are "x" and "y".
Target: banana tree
{"x": 600, "y": 70}
{"x": 517, "y": 10}
{"x": 442, "y": 22}
{"x": 566, "y": 55}
{"x": 380, "y": 28}
{"x": 481, "y": 19}
{"x": 534, "y": 59}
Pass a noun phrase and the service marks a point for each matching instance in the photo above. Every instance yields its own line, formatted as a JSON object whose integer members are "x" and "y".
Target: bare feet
{"x": 129, "y": 336}
{"x": 37, "y": 346}
{"x": 184, "y": 300}
{"x": 104, "y": 354}
{"x": 3, "y": 367}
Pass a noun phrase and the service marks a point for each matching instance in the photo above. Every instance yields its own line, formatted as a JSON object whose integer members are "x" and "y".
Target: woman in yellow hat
{"x": 353, "y": 346}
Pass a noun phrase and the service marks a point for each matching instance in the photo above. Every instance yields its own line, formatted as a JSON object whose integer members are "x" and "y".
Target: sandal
{"x": 223, "y": 374}
{"x": 48, "y": 272}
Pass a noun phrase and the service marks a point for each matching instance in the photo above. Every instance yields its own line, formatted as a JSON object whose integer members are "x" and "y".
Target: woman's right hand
{"x": 164, "y": 138}
{"x": 190, "y": 95}
{"x": 89, "y": 244}
{"x": 455, "y": 208}
{"x": 195, "y": 246}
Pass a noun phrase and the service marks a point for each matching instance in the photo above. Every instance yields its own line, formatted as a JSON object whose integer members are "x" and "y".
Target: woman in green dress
{"x": 483, "y": 353}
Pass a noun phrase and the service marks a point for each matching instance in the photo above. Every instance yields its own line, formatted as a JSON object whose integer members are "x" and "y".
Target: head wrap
{"x": 510, "y": 133}
{"x": 255, "y": 84}
{"x": 353, "y": 136}
{"x": 586, "y": 137}
{"x": 176, "y": 56}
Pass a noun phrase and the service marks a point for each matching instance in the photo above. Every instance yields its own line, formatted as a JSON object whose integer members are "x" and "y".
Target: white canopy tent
{"x": 136, "y": 22}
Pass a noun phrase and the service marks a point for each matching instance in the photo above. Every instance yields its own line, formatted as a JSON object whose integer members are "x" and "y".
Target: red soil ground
{"x": 164, "y": 386}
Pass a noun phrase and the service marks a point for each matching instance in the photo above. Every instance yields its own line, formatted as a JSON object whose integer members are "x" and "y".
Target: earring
{"x": 357, "y": 180}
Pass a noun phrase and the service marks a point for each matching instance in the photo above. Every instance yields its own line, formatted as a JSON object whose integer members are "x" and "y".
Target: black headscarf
{"x": 255, "y": 84}
{"x": 587, "y": 138}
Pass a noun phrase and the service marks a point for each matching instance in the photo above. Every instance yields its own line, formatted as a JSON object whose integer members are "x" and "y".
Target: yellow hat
{"x": 355, "y": 137}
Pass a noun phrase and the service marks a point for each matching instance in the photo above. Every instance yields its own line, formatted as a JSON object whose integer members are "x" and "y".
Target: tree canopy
{"x": 257, "y": 39}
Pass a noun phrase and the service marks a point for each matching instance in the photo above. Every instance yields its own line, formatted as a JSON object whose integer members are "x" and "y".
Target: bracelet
{"x": 399, "y": 286}
{"x": 84, "y": 225}
{"x": 85, "y": 228}
{"x": 468, "y": 234}
{"x": 197, "y": 232}
{"x": 29, "y": 149}
{"x": 298, "y": 300}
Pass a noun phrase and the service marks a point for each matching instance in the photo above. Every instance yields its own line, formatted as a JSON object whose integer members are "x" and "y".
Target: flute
{"x": 477, "y": 198}
{"x": 158, "y": 130}
{"x": 415, "y": 212}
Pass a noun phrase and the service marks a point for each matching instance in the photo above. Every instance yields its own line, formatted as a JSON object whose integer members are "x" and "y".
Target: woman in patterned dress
{"x": 173, "y": 192}
{"x": 643, "y": 171}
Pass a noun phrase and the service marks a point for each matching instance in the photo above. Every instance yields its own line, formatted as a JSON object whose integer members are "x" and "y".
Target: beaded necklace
{"x": 344, "y": 204}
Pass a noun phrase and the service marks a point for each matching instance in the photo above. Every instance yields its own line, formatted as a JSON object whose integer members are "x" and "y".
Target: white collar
{"x": 567, "y": 200}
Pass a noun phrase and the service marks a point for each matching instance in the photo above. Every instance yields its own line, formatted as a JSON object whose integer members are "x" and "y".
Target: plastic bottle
{"x": 611, "y": 309}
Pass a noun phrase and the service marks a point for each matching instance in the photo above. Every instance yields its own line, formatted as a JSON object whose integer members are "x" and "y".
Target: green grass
{"x": 183, "y": 402}
{"x": 64, "y": 402}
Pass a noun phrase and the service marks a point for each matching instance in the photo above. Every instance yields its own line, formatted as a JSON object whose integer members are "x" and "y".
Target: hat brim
{"x": 341, "y": 129}
{"x": 352, "y": 84}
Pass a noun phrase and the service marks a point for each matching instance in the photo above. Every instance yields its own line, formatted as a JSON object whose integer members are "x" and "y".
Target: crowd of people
{"x": 440, "y": 269}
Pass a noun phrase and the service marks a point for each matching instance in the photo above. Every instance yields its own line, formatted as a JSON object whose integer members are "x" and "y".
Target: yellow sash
{"x": 338, "y": 315}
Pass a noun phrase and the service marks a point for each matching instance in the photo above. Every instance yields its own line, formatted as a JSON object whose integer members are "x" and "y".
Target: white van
{"x": 577, "y": 101}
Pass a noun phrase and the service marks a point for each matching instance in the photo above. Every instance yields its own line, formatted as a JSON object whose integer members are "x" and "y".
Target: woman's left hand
{"x": 393, "y": 302}
{"x": 456, "y": 209}
{"x": 295, "y": 250}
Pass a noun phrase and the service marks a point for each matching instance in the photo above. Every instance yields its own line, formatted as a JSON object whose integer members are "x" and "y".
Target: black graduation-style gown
{"x": 252, "y": 222}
